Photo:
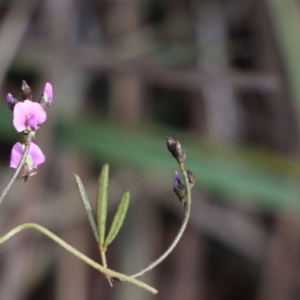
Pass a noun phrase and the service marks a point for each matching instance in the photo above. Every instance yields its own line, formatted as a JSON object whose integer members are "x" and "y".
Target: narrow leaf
{"x": 87, "y": 206}
{"x": 118, "y": 218}
{"x": 102, "y": 204}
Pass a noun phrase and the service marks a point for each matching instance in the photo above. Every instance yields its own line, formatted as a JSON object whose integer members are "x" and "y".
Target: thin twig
{"x": 181, "y": 230}
{"x": 76, "y": 253}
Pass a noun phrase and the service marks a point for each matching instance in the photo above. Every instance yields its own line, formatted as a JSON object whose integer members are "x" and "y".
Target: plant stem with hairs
{"x": 78, "y": 254}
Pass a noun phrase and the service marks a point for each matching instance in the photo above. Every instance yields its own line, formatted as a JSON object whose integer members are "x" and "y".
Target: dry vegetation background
{"x": 221, "y": 76}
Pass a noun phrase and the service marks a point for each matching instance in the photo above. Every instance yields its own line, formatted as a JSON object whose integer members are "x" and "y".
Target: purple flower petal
{"x": 35, "y": 153}
{"x": 32, "y": 122}
{"x": 19, "y": 116}
{"x": 16, "y": 154}
{"x": 28, "y": 114}
{"x": 48, "y": 90}
{"x": 40, "y": 113}
{"x": 176, "y": 176}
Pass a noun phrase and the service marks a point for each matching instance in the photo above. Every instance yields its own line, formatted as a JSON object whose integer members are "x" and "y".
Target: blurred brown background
{"x": 221, "y": 76}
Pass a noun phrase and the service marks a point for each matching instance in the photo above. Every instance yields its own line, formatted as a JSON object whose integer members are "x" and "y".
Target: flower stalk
{"x": 185, "y": 197}
{"x": 187, "y": 213}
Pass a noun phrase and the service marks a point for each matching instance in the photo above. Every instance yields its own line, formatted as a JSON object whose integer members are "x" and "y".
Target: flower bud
{"x": 47, "y": 96}
{"x": 180, "y": 189}
{"x": 26, "y": 91}
{"x": 48, "y": 90}
{"x": 11, "y": 101}
{"x": 176, "y": 150}
{"x": 191, "y": 177}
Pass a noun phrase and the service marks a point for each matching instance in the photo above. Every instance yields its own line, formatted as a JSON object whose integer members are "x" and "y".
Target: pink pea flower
{"x": 34, "y": 158}
{"x": 28, "y": 115}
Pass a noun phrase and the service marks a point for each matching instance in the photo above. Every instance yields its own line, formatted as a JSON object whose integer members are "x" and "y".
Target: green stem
{"x": 16, "y": 174}
{"x": 181, "y": 230}
{"x": 76, "y": 253}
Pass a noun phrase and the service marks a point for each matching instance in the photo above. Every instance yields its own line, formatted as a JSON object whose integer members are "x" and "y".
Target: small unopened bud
{"x": 47, "y": 96}
{"x": 180, "y": 189}
{"x": 26, "y": 91}
{"x": 191, "y": 177}
{"x": 176, "y": 150}
{"x": 11, "y": 101}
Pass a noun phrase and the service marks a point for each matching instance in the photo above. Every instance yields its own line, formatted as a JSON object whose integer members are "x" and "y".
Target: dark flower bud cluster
{"x": 180, "y": 189}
